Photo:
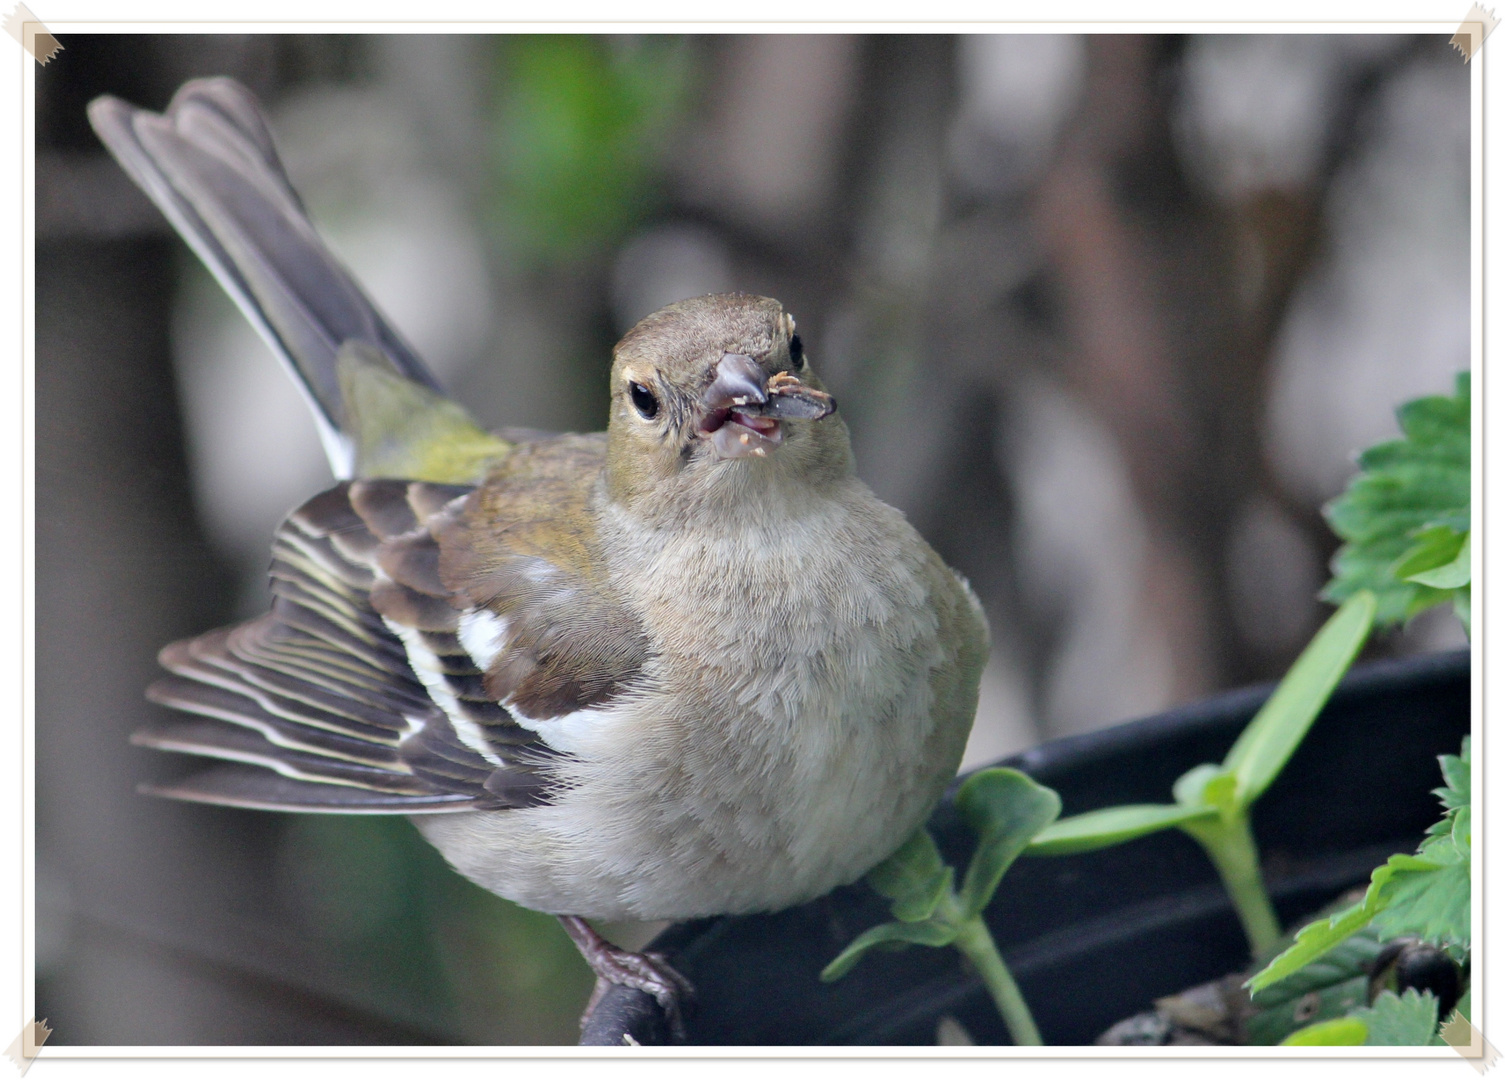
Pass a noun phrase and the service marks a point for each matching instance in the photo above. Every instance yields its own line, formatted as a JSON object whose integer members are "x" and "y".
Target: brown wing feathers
{"x": 317, "y": 703}
{"x": 569, "y": 644}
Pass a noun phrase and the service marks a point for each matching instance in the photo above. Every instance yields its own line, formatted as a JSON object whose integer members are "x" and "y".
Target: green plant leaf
{"x": 1344, "y": 1031}
{"x": 1406, "y": 1020}
{"x": 1221, "y": 793}
{"x": 1188, "y": 790}
{"x": 1277, "y": 729}
{"x": 1456, "y": 777}
{"x": 893, "y": 933}
{"x": 1005, "y": 809}
{"x": 1440, "y": 558}
{"x": 1113, "y": 825}
{"x": 1429, "y": 902}
{"x": 1436, "y": 905}
{"x": 914, "y": 878}
{"x": 1433, "y": 546}
{"x": 1427, "y": 905}
{"x": 1405, "y": 488}
{"x": 1316, "y": 938}
{"x": 1463, "y": 830}
{"x": 1453, "y": 575}
{"x": 1349, "y": 959}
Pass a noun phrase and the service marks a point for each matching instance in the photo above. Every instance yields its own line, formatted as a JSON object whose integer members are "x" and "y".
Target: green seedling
{"x": 1005, "y": 809}
{"x": 1426, "y": 895}
{"x": 1405, "y": 520}
{"x": 1212, "y": 801}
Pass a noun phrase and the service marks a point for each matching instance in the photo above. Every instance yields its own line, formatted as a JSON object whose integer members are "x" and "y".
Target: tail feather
{"x": 209, "y": 164}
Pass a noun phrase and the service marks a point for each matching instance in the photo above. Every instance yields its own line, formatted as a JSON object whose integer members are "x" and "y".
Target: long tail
{"x": 209, "y": 164}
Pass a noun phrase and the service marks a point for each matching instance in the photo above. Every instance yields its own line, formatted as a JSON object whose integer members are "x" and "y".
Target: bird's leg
{"x": 648, "y": 972}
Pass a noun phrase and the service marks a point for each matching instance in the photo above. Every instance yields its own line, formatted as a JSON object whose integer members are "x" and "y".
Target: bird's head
{"x": 717, "y": 393}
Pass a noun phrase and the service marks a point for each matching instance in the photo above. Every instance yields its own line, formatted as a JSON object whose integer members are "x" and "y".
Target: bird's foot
{"x": 648, "y": 972}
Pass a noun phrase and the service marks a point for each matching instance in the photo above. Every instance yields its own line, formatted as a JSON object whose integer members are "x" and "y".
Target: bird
{"x": 690, "y": 666}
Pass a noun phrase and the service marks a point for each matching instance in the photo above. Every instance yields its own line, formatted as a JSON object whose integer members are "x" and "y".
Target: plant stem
{"x": 1230, "y": 844}
{"x": 976, "y": 944}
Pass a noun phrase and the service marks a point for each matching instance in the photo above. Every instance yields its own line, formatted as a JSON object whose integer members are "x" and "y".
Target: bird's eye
{"x": 643, "y": 400}
{"x": 796, "y": 352}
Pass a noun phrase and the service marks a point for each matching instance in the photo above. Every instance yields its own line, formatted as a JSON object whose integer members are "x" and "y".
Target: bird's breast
{"x": 786, "y": 720}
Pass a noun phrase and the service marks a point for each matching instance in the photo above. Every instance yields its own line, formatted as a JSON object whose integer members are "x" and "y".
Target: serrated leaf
{"x": 1406, "y": 1020}
{"x": 1005, "y": 809}
{"x": 1347, "y": 960}
{"x": 1432, "y": 421}
{"x": 1405, "y": 488}
{"x": 1344, "y": 1031}
{"x": 1400, "y": 901}
{"x": 1432, "y": 904}
{"x": 1312, "y": 941}
{"x": 1456, "y": 776}
{"x": 914, "y": 878}
{"x": 902, "y": 933}
{"x": 1270, "y": 739}
{"x": 1104, "y": 828}
{"x": 1427, "y": 895}
{"x": 1440, "y": 849}
{"x": 1399, "y": 498}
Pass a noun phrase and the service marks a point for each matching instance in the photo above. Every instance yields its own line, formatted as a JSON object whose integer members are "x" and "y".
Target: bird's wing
{"x": 209, "y": 164}
{"x": 412, "y": 625}
{"x": 539, "y": 615}
{"x": 353, "y": 693}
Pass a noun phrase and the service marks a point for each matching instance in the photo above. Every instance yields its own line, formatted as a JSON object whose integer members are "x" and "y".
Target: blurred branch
{"x": 1171, "y": 303}
{"x": 1289, "y": 231}
{"x": 1146, "y": 294}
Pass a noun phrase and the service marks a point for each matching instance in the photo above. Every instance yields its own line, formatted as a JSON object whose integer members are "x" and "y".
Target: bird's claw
{"x": 649, "y": 972}
{"x": 653, "y": 975}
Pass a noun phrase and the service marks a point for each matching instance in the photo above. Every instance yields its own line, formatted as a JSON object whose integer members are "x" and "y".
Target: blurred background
{"x": 1108, "y": 317}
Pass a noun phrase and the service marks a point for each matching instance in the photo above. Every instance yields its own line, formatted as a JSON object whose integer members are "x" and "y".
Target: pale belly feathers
{"x": 804, "y": 708}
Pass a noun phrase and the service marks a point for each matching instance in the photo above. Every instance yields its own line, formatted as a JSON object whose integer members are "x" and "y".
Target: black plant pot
{"x": 1090, "y": 938}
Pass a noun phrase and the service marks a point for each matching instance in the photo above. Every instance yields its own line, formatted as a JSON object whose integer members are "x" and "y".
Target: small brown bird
{"x": 691, "y": 666}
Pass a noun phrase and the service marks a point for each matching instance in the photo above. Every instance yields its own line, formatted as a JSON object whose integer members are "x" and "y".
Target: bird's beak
{"x": 745, "y": 409}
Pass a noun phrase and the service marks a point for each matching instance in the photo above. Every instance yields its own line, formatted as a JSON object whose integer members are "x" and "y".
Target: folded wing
{"x": 354, "y": 693}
